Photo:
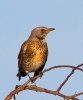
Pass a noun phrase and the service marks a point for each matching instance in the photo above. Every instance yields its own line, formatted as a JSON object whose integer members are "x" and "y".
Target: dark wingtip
{"x": 19, "y": 78}
{"x": 18, "y": 75}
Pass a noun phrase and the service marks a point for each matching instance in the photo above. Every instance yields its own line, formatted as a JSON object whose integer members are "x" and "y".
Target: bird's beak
{"x": 50, "y": 29}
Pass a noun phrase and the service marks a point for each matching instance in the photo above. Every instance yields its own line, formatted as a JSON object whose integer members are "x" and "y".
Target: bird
{"x": 33, "y": 52}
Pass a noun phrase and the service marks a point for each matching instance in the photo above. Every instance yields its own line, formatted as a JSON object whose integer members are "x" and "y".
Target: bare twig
{"x": 24, "y": 86}
{"x": 60, "y": 87}
{"x": 63, "y": 66}
{"x": 39, "y": 89}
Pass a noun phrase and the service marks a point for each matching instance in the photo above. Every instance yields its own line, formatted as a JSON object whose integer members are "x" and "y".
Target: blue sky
{"x": 17, "y": 19}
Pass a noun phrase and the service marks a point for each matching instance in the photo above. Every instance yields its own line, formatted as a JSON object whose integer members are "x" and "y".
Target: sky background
{"x": 17, "y": 19}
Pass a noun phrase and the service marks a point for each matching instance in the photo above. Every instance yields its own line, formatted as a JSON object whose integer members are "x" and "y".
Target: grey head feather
{"x": 39, "y": 33}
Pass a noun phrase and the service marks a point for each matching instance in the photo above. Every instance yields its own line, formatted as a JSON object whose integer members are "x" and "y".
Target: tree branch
{"x": 68, "y": 77}
{"x": 35, "y": 88}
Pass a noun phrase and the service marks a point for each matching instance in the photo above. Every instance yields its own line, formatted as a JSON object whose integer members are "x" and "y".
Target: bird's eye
{"x": 42, "y": 30}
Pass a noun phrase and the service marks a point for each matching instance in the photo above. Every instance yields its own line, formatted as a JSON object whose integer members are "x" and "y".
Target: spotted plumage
{"x": 33, "y": 53}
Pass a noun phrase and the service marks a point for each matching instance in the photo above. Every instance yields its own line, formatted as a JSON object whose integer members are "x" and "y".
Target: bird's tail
{"x": 19, "y": 76}
{"x": 23, "y": 74}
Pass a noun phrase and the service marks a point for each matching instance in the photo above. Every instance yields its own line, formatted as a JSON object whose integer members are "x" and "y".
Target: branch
{"x": 39, "y": 89}
{"x": 68, "y": 77}
{"x": 63, "y": 66}
{"x": 24, "y": 86}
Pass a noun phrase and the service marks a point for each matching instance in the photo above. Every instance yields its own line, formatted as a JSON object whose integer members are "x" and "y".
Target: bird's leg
{"x": 30, "y": 78}
{"x": 32, "y": 81}
{"x": 41, "y": 74}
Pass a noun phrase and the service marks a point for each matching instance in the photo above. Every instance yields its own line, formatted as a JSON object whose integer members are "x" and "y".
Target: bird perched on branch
{"x": 33, "y": 53}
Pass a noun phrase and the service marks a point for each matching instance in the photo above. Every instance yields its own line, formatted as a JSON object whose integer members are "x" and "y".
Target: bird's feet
{"x": 41, "y": 74}
{"x": 32, "y": 79}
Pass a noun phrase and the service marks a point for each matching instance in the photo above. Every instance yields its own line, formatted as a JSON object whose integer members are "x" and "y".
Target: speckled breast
{"x": 41, "y": 53}
{"x": 40, "y": 57}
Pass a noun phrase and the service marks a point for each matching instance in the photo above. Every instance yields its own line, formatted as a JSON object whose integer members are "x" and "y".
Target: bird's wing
{"x": 22, "y": 49}
{"x": 20, "y": 55}
{"x": 26, "y": 52}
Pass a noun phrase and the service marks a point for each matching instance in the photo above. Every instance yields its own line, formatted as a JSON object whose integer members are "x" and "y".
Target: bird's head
{"x": 40, "y": 33}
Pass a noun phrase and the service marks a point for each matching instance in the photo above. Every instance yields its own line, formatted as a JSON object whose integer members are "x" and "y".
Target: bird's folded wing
{"x": 26, "y": 53}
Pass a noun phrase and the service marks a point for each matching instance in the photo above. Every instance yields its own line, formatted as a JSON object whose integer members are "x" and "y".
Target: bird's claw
{"x": 41, "y": 74}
